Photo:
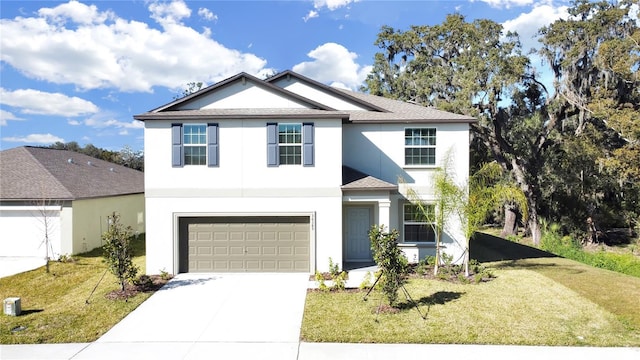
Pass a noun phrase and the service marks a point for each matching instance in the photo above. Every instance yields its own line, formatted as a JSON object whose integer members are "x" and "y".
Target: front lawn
{"x": 528, "y": 303}
{"x": 54, "y": 307}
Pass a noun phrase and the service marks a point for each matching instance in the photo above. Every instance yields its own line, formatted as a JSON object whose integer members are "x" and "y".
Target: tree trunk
{"x": 534, "y": 226}
{"x": 510, "y": 221}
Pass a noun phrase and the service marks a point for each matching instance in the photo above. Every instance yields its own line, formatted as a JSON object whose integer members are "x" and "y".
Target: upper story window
{"x": 420, "y": 146}
{"x": 290, "y": 144}
{"x": 418, "y": 223}
{"x": 194, "y": 144}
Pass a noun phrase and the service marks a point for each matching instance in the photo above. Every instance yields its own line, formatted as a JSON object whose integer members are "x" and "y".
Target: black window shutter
{"x": 307, "y": 144}
{"x": 176, "y": 145}
{"x": 213, "y": 147}
{"x": 272, "y": 145}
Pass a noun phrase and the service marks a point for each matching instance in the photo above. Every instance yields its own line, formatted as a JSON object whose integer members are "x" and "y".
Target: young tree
{"x": 44, "y": 214}
{"x": 447, "y": 200}
{"x": 486, "y": 190}
{"x": 118, "y": 251}
{"x": 390, "y": 260}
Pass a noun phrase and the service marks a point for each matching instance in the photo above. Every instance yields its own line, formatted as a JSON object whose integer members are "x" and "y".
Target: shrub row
{"x": 569, "y": 248}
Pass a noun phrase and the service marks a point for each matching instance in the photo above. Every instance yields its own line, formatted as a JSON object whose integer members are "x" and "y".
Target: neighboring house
{"x": 66, "y": 196}
{"x": 284, "y": 173}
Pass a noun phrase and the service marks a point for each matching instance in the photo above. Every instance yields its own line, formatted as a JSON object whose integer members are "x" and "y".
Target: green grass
{"x": 54, "y": 307}
{"x": 529, "y": 303}
{"x": 616, "y": 293}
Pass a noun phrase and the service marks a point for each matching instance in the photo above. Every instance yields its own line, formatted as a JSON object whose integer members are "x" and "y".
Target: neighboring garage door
{"x": 22, "y": 231}
{"x": 239, "y": 244}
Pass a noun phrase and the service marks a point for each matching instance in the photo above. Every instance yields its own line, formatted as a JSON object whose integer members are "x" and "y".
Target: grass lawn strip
{"x": 615, "y": 292}
{"x": 53, "y": 305}
{"x": 518, "y": 307}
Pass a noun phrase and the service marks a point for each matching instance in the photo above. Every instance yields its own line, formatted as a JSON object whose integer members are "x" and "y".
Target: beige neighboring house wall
{"x": 90, "y": 218}
{"x": 78, "y": 193}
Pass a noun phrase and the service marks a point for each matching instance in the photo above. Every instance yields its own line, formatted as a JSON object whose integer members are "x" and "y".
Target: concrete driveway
{"x": 197, "y": 316}
{"x": 11, "y": 265}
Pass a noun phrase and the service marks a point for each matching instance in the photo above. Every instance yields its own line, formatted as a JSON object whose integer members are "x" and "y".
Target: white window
{"x": 290, "y": 144}
{"x": 420, "y": 146}
{"x": 418, "y": 223}
{"x": 195, "y": 144}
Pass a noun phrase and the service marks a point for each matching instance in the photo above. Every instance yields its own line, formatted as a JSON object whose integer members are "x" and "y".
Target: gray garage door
{"x": 239, "y": 244}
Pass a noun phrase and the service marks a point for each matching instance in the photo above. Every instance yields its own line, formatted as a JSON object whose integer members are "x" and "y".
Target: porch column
{"x": 384, "y": 214}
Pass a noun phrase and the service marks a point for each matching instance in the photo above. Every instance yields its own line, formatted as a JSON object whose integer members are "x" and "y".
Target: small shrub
{"x": 339, "y": 280}
{"x": 391, "y": 261}
{"x": 164, "y": 275}
{"x": 320, "y": 280}
{"x": 143, "y": 281}
{"x": 65, "y": 258}
{"x": 334, "y": 268}
{"x": 366, "y": 281}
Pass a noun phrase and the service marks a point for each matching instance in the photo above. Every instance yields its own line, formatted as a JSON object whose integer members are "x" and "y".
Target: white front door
{"x": 358, "y": 224}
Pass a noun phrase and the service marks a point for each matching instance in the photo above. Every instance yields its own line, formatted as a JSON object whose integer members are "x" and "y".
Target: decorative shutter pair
{"x": 273, "y": 155}
{"x": 177, "y": 149}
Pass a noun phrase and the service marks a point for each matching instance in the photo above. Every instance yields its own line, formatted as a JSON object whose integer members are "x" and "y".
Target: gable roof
{"x": 34, "y": 173}
{"x": 328, "y": 89}
{"x": 378, "y": 109}
{"x": 241, "y": 77}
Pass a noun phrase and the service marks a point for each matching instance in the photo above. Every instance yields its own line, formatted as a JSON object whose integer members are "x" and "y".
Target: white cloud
{"x": 508, "y": 3}
{"x": 207, "y": 14}
{"x": 37, "y": 102}
{"x": 76, "y": 12}
{"x": 167, "y": 13}
{"x": 7, "y": 116}
{"x": 312, "y": 14}
{"x": 527, "y": 24}
{"x": 74, "y": 43}
{"x": 34, "y": 139}
{"x": 332, "y": 4}
{"x": 334, "y": 63}
{"x": 101, "y": 121}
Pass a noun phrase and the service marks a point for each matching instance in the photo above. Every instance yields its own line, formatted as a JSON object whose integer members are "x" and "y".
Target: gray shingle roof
{"x": 353, "y": 179}
{"x": 33, "y": 173}
{"x": 401, "y": 111}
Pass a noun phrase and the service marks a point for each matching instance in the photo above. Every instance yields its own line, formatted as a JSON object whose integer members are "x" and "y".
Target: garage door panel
{"x": 255, "y": 244}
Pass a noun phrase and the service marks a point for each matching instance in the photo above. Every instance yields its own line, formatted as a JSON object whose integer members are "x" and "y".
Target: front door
{"x": 358, "y": 224}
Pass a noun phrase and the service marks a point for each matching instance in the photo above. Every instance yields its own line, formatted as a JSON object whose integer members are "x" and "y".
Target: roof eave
{"x": 164, "y": 116}
{"x": 364, "y": 188}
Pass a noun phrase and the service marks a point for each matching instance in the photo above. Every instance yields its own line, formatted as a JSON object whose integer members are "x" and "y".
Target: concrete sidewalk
{"x": 219, "y": 316}
{"x": 305, "y": 351}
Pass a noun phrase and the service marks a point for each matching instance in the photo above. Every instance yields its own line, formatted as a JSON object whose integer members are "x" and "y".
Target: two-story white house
{"x": 279, "y": 175}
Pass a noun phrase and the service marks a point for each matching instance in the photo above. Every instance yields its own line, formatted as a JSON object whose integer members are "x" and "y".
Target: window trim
{"x": 307, "y": 146}
{"x": 211, "y": 144}
{"x": 434, "y": 147}
{"x": 202, "y": 145}
{"x": 430, "y": 224}
{"x": 290, "y": 144}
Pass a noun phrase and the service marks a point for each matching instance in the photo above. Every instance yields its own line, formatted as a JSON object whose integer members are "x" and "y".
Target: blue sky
{"x": 79, "y": 70}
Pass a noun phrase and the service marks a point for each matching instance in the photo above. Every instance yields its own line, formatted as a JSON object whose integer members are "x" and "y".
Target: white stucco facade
{"x": 242, "y": 183}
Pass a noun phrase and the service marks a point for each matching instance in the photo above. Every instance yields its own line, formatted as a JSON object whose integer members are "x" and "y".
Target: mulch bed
{"x": 145, "y": 283}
